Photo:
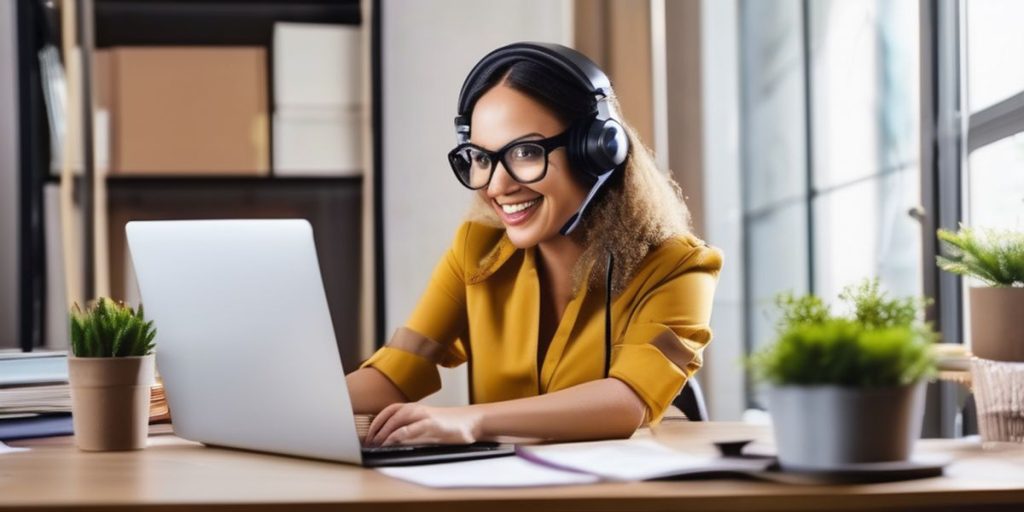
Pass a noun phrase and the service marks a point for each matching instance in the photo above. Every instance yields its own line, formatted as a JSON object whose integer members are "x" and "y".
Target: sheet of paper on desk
{"x": 9, "y": 449}
{"x": 629, "y": 459}
{"x": 496, "y": 472}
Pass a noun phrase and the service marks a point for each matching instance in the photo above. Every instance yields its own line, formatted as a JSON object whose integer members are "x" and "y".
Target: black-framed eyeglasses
{"x": 526, "y": 161}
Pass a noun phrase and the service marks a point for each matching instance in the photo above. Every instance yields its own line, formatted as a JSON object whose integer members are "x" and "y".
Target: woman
{"x": 570, "y": 215}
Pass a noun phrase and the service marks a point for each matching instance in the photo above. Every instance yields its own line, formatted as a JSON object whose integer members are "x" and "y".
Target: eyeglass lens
{"x": 525, "y": 162}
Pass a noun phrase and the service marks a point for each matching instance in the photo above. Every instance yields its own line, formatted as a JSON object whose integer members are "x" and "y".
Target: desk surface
{"x": 174, "y": 474}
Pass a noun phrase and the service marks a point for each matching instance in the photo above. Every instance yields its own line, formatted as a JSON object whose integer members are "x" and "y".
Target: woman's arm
{"x": 600, "y": 409}
{"x": 371, "y": 391}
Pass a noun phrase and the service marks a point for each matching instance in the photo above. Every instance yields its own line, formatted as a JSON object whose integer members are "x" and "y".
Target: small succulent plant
{"x": 106, "y": 328}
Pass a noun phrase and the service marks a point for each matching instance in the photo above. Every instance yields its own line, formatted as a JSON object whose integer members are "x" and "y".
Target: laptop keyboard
{"x": 396, "y": 448}
{"x": 402, "y": 455}
{"x": 428, "y": 448}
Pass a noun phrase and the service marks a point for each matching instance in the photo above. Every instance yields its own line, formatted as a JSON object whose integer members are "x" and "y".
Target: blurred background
{"x": 817, "y": 142}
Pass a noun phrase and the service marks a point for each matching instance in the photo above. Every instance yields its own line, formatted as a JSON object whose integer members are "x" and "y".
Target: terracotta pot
{"x": 996, "y": 315}
{"x": 833, "y": 428}
{"x": 110, "y": 401}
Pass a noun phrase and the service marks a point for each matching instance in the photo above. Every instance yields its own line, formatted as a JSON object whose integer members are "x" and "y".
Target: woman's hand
{"x": 414, "y": 423}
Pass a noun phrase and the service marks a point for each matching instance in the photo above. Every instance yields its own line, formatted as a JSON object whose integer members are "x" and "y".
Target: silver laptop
{"x": 245, "y": 344}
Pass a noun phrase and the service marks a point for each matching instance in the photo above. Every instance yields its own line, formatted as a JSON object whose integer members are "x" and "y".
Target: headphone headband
{"x": 586, "y": 73}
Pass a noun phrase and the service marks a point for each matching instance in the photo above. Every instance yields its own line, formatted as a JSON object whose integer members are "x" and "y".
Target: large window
{"x": 830, "y": 95}
{"x": 840, "y": 143}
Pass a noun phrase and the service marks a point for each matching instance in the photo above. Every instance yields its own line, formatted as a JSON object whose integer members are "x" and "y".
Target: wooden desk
{"x": 174, "y": 474}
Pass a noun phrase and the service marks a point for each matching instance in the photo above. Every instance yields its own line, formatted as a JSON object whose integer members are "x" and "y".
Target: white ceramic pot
{"x": 110, "y": 401}
{"x": 832, "y": 427}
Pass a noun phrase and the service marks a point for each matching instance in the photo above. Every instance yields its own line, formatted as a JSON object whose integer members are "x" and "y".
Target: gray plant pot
{"x": 831, "y": 427}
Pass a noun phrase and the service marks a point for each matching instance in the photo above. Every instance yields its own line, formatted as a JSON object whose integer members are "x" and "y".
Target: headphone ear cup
{"x": 597, "y": 146}
{"x": 606, "y": 145}
{"x": 577, "y": 149}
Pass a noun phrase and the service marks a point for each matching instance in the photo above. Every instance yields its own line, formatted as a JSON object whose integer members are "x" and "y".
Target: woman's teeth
{"x": 518, "y": 207}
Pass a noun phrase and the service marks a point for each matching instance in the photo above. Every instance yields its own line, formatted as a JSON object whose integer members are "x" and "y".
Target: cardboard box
{"x": 317, "y": 65}
{"x": 187, "y": 110}
{"x": 318, "y": 142}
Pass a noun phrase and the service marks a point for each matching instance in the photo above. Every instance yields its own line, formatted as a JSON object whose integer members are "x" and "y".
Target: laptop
{"x": 245, "y": 344}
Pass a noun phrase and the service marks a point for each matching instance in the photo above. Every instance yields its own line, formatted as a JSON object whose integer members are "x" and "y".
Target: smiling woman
{"x": 575, "y": 290}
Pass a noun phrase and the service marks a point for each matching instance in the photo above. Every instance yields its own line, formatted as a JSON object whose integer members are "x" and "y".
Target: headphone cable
{"x": 608, "y": 314}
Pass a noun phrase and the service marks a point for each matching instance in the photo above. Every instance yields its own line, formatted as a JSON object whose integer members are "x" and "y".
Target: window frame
{"x": 943, "y": 152}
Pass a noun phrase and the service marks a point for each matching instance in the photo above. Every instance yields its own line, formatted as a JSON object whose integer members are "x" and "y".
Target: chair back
{"x": 691, "y": 401}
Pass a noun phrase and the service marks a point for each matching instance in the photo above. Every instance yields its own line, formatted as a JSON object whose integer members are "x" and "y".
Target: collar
{"x": 493, "y": 260}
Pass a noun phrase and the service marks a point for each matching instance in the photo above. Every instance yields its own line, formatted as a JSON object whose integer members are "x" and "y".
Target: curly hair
{"x": 638, "y": 211}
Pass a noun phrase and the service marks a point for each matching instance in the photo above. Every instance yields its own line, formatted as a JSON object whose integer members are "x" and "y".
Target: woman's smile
{"x": 514, "y": 213}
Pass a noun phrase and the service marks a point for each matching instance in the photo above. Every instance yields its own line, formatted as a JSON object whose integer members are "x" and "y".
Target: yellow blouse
{"x": 483, "y": 306}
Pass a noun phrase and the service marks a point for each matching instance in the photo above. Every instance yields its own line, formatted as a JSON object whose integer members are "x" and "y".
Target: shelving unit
{"x": 333, "y": 205}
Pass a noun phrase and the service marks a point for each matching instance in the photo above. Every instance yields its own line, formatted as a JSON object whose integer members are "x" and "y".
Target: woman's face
{"x": 500, "y": 116}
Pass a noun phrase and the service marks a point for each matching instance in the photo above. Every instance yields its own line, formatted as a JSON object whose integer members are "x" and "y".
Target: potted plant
{"x": 110, "y": 372}
{"x": 996, "y": 259}
{"x": 846, "y": 389}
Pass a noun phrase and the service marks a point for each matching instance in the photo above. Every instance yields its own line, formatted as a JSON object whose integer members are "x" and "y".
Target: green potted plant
{"x": 110, "y": 371}
{"x": 846, "y": 389}
{"x": 996, "y": 259}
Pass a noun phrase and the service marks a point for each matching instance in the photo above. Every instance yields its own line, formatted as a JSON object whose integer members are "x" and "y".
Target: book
{"x": 41, "y": 425}
{"x": 38, "y": 398}
{"x": 31, "y": 368}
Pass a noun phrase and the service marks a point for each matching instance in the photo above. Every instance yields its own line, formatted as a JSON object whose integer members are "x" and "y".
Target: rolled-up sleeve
{"x": 668, "y": 331}
{"x": 431, "y": 335}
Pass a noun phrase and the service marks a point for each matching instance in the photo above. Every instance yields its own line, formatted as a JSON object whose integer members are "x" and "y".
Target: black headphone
{"x": 597, "y": 145}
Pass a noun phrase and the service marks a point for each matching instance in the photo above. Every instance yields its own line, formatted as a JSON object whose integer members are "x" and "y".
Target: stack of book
{"x": 35, "y": 398}
{"x": 158, "y": 410}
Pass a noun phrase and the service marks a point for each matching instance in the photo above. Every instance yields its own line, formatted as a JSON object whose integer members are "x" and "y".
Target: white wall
{"x": 428, "y": 47}
{"x": 723, "y": 207}
{"x": 9, "y": 171}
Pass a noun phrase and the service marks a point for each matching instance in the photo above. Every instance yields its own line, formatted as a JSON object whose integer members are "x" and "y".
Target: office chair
{"x": 691, "y": 401}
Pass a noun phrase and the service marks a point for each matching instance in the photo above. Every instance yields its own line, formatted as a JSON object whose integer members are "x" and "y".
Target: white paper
{"x": 10, "y": 449}
{"x": 632, "y": 460}
{"x": 494, "y": 472}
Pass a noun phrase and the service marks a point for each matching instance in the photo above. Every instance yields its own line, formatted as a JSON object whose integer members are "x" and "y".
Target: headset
{"x": 597, "y": 146}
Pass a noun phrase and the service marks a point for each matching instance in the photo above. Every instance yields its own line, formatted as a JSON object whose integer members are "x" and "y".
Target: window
{"x": 830, "y": 117}
{"x": 996, "y": 184}
{"x": 995, "y": 46}
{"x": 995, "y": 99}
{"x": 864, "y": 104}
